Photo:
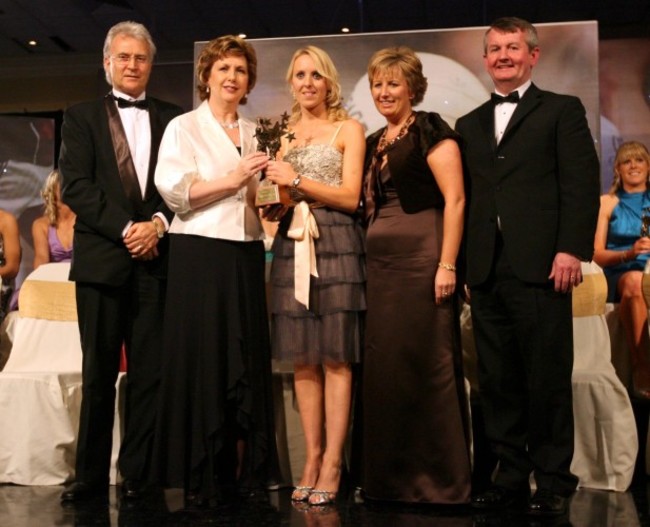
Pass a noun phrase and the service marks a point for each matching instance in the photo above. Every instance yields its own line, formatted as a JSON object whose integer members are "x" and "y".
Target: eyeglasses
{"x": 125, "y": 58}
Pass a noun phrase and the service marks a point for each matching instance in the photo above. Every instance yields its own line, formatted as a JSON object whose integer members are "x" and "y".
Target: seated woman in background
{"x": 622, "y": 248}
{"x": 53, "y": 231}
{"x": 9, "y": 258}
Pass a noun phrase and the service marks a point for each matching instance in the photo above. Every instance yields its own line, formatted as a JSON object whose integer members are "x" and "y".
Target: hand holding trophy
{"x": 645, "y": 222}
{"x": 269, "y": 139}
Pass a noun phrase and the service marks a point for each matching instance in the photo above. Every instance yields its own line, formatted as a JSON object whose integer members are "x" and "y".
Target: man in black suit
{"x": 108, "y": 156}
{"x": 533, "y": 193}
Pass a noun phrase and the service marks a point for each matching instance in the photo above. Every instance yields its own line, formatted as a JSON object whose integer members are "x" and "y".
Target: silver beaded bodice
{"x": 320, "y": 162}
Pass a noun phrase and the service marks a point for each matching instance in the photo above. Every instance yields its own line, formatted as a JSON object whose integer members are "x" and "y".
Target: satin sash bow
{"x": 304, "y": 231}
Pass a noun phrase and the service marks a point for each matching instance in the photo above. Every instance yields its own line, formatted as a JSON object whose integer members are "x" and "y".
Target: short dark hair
{"x": 512, "y": 24}
{"x": 220, "y": 48}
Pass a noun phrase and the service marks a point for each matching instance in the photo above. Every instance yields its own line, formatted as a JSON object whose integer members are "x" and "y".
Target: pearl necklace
{"x": 230, "y": 126}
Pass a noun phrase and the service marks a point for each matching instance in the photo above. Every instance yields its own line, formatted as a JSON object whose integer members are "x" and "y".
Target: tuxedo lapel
{"x": 486, "y": 121}
{"x": 530, "y": 101}
{"x": 125, "y": 165}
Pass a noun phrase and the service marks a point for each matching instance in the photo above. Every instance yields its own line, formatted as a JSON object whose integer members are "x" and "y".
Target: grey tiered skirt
{"x": 330, "y": 330}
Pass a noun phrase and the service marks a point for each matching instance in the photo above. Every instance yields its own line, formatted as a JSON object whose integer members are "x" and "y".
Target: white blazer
{"x": 195, "y": 147}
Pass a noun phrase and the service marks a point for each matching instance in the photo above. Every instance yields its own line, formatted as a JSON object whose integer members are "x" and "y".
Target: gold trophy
{"x": 645, "y": 222}
{"x": 269, "y": 136}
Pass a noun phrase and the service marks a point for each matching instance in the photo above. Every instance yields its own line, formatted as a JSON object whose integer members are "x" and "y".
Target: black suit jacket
{"x": 92, "y": 188}
{"x": 541, "y": 181}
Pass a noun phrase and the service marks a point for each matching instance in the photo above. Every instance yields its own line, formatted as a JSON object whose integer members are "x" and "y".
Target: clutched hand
{"x": 141, "y": 240}
{"x": 249, "y": 166}
{"x": 280, "y": 173}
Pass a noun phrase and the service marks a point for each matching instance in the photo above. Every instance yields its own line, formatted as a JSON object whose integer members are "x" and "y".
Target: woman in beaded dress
{"x": 415, "y": 423}
{"x": 622, "y": 248}
{"x": 315, "y": 319}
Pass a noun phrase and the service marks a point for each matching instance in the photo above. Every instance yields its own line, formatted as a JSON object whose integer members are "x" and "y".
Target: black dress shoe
{"x": 194, "y": 499}
{"x": 132, "y": 489}
{"x": 80, "y": 491}
{"x": 496, "y": 498}
{"x": 547, "y": 503}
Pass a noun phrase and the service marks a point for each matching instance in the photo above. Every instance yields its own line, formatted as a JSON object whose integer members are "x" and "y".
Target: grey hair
{"x": 129, "y": 29}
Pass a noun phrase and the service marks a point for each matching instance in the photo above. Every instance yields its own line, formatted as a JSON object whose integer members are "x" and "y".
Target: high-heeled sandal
{"x": 301, "y": 493}
{"x": 322, "y": 497}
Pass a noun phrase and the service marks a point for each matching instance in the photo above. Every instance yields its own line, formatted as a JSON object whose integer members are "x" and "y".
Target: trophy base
{"x": 272, "y": 194}
{"x": 267, "y": 195}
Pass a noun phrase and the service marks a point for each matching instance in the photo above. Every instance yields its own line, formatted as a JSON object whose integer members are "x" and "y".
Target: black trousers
{"x": 524, "y": 341}
{"x": 108, "y": 317}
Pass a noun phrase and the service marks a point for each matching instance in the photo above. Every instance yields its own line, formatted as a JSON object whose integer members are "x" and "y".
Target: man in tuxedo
{"x": 533, "y": 179}
{"x": 107, "y": 162}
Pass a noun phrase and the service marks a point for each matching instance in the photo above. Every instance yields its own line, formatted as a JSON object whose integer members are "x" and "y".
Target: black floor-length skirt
{"x": 216, "y": 379}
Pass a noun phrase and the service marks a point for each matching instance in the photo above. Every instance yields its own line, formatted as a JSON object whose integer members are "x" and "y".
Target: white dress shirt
{"x": 137, "y": 128}
{"x": 195, "y": 147}
{"x": 503, "y": 111}
{"x": 502, "y": 115}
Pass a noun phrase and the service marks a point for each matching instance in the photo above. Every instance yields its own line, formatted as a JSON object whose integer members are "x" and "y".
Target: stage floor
{"x": 40, "y": 507}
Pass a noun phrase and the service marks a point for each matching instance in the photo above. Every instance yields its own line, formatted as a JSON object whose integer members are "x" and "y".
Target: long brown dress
{"x": 415, "y": 426}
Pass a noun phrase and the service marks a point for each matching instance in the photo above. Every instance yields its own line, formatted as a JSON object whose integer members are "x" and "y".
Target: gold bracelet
{"x": 447, "y": 266}
{"x": 624, "y": 256}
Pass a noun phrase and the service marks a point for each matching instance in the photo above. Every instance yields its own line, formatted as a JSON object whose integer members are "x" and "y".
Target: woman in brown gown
{"x": 415, "y": 425}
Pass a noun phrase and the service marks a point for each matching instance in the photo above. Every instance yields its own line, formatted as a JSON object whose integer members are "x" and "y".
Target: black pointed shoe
{"x": 497, "y": 498}
{"x": 132, "y": 489}
{"x": 547, "y": 503}
{"x": 80, "y": 491}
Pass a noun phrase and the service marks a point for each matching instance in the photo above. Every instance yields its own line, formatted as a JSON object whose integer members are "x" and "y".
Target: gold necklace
{"x": 384, "y": 144}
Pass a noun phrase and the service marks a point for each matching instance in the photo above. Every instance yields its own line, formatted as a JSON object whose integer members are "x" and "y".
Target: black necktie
{"x": 143, "y": 104}
{"x": 511, "y": 97}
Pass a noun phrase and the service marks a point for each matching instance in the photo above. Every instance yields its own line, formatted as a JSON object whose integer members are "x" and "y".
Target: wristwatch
{"x": 296, "y": 181}
{"x": 160, "y": 228}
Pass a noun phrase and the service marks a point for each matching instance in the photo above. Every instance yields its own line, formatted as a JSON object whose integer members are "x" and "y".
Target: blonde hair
{"x": 220, "y": 48}
{"x": 404, "y": 60}
{"x": 625, "y": 152}
{"x": 49, "y": 195}
{"x": 324, "y": 66}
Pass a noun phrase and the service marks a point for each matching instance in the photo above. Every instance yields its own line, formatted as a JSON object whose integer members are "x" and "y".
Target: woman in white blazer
{"x": 215, "y": 435}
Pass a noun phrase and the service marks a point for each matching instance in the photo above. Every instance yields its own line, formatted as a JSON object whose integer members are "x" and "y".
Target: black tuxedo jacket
{"x": 541, "y": 181}
{"x": 92, "y": 188}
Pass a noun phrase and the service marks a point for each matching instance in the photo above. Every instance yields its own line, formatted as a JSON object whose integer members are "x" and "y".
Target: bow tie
{"x": 511, "y": 97}
{"x": 143, "y": 104}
